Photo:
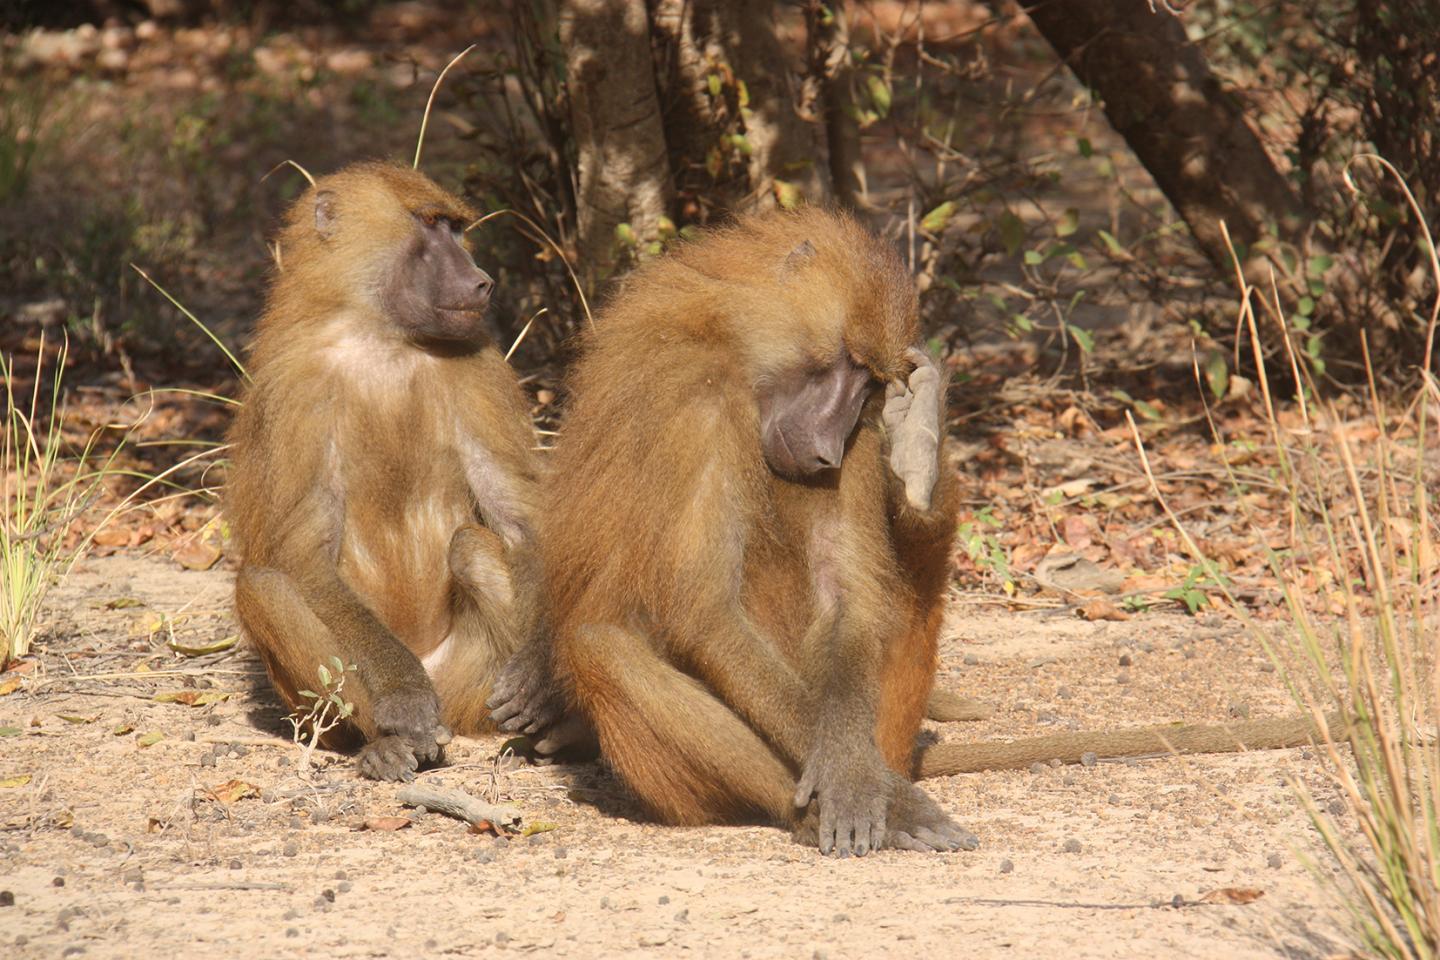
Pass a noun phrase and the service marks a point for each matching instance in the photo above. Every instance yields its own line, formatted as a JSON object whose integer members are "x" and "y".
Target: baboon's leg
{"x": 293, "y": 642}
{"x": 682, "y": 750}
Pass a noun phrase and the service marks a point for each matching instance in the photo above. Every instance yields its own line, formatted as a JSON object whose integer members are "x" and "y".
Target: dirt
{"x": 115, "y": 849}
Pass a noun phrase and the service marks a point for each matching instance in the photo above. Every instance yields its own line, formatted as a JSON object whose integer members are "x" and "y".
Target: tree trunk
{"x": 624, "y": 172}
{"x": 1160, "y": 95}
{"x": 827, "y": 33}
{"x": 730, "y": 114}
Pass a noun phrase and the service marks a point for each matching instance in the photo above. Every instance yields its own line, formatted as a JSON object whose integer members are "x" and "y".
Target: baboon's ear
{"x": 327, "y": 218}
{"x": 796, "y": 260}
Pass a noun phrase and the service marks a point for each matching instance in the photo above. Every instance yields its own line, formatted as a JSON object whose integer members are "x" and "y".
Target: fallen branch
{"x": 461, "y": 806}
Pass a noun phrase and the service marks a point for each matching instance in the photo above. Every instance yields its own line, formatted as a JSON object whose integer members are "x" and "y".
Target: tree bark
{"x": 1160, "y": 95}
{"x": 827, "y": 32}
{"x": 734, "y": 40}
{"x": 624, "y": 172}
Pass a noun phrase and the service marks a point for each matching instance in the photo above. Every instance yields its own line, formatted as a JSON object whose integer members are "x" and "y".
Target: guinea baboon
{"x": 383, "y": 483}
{"x": 746, "y": 544}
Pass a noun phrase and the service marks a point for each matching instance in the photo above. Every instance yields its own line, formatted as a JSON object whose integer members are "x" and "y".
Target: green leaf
{"x": 1034, "y": 258}
{"x": 149, "y": 739}
{"x": 10, "y": 731}
{"x": 625, "y": 236}
{"x": 1318, "y": 266}
{"x": 1012, "y": 232}
{"x": 1217, "y": 375}
{"x": 124, "y": 603}
{"x": 713, "y": 83}
{"x": 338, "y": 665}
{"x": 1111, "y": 243}
{"x": 879, "y": 93}
{"x": 538, "y": 826}
{"x": 324, "y": 672}
{"x": 936, "y": 220}
{"x": 199, "y": 650}
{"x": 1306, "y": 306}
{"x": 309, "y": 693}
{"x": 1068, "y": 223}
{"x": 1082, "y": 337}
{"x": 1022, "y": 323}
{"x": 1086, "y": 150}
{"x": 788, "y": 195}
{"x": 1148, "y": 411}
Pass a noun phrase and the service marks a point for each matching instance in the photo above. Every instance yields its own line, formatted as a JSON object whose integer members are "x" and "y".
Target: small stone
{"x": 1189, "y": 653}
{"x": 1273, "y": 861}
{"x": 1147, "y": 647}
{"x": 1336, "y": 807}
{"x": 1056, "y": 763}
{"x": 483, "y": 856}
{"x": 343, "y": 886}
{"x": 291, "y": 849}
{"x": 420, "y": 811}
{"x": 1177, "y": 901}
{"x": 319, "y": 815}
{"x": 1065, "y": 693}
{"x": 188, "y": 736}
{"x": 58, "y": 882}
{"x": 291, "y": 914}
{"x": 971, "y": 660}
{"x": 98, "y": 840}
{"x": 134, "y": 875}
{"x": 1070, "y": 846}
{"x": 561, "y": 853}
{"x": 841, "y": 918}
{"x": 238, "y": 750}
{"x": 214, "y": 720}
{"x": 1240, "y": 710}
{"x": 291, "y": 932}
{"x": 536, "y": 839}
{"x": 1037, "y": 768}
{"x": 1122, "y": 678}
{"x": 683, "y": 916}
{"x": 1089, "y": 759}
{"x": 328, "y": 894}
{"x": 663, "y": 900}
{"x": 296, "y": 824}
{"x": 207, "y": 759}
{"x": 1114, "y": 800}
{"x": 7, "y": 898}
{"x": 1045, "y": 716}
{"x": 501, "y": 938}
{"x": 341, "y": 875}
{"x": 73, "y": 951}
{"x": 234, "y": 864}
{"x": 1267, "y": 667}
{"x": 1125, "y": 660}
{"x": 322, "y": 904}
{"x": 1006, "y": 866}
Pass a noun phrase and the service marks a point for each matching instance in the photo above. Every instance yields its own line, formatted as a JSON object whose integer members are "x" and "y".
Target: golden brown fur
{"x": 382, "y": 491}
{"x": 709, "y": 615}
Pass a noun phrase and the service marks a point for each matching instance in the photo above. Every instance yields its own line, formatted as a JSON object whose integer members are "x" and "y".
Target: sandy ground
{"x": 113, "y": 849}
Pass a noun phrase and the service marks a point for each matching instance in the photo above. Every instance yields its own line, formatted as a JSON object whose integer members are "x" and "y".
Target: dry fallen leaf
{"x": 124, "y": 603}
{"x": 232, "y": 790}
{"x": 122, "y": 729}
{"x": 192, "y": 698}
{"x": 1240, "y": 895}
{"x": 538, "y": 826}
{"x": 1102, "y": 609}
{"x": 10, "y": 731}
{"x": 111, "y": 537}
{"x": 485, "y": 828}
{"x": 199, "y": 650}
{"x": 149, "y": 739}
{"x": 195, "y": 555}
{"x": 9, "y": 686}
{"x": 76, "y": 718}
{"x": 19, "y": 781}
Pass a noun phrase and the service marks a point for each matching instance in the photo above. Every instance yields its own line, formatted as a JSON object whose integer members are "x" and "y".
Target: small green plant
{"x": 1192, "y": 590}
{"x": 43, "y": 494}
{"x": 328, "y": 709}
{"x": 978, "y": 540}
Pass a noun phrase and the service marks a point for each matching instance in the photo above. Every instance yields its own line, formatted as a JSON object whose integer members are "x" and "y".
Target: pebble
{"x": 1088, "y": 759}
{"x": 341, "y": 875}
{"x": 74, "y": 951}
{"x": 207, "y": 760}
{"x": 535, "y": 839}
{"x": 58, "y": 882}
{"x": 683, "y": 916}
{"x": 7, "y": 899}
{"x": 841, "y": 918}
{"x": 1122, "y": 678}
{"x": 98, "y": 840}
{"x": 1065, "y": 693}
{"x": 234, "y": 864}
{"x": 1240, "y": 710}
{"x": 291, "y": 932}
{"x": 328, "y": 894}
{"x": 188, "y": 736}
{"x": 1037, "y": 768}
{"x": 1114, "y": 800}
{"x": 295, "y": 823}
{"x": 1125, "y": 660}
{"x": 1273, "y": 861}
{"x": 319, "y": 815}
{"x": 344, "y": 886}
{"x": 483, "y": 856}
{"x": 291, "y": 849}
{"x": 1189, "y": 653}
{"x": 561, "y": 853}
{"x": 133, "y": 875}
{"x": 238, "y": 750}
{"x": 501, "y": 938}
{"x": 1006, "y": 866}
{"x": 971, "y": 660}
{"x": 1070, "y": 846}
{"x": 291, "y": 915}
{"x": 1045, "y": 716}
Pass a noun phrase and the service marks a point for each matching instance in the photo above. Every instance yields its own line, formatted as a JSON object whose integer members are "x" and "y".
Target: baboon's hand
{"x": 851, "y": 792}
{"x": 914, "y": 418}
{"x": 916, "y": 822}
{"x": 411, "y": 734}
{"x": 524, "y": 698}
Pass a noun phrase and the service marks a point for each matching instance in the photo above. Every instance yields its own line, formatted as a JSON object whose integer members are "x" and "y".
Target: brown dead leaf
{"x": 384, "y": 823}
{"x": 232, "y": 790}
{"x": 9, "y": 686}
{"x": 1102, "y": 609}
{"x": 196, "y": 555}
{"x": 192, "y": 698}
{"x": 21, "y": 667}
{"x": 111, "y": 537}
{"x": 1236, "y": 895}
{"x": 484, "y": 828}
